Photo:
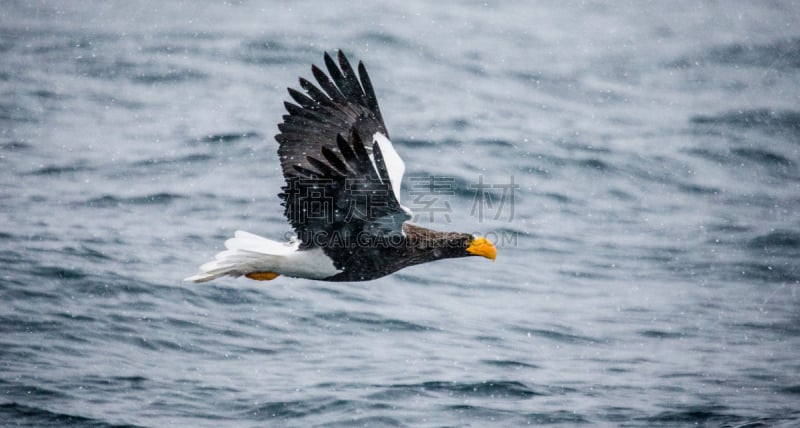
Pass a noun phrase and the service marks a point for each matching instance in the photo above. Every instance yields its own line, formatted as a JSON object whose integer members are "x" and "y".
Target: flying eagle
{"x": 342, "y": 194}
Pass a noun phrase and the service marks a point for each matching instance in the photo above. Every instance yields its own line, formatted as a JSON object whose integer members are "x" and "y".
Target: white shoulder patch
{"x": 394, "y": 164}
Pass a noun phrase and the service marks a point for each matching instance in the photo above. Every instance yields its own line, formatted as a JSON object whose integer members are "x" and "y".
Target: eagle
{"x": 341, "y": 193}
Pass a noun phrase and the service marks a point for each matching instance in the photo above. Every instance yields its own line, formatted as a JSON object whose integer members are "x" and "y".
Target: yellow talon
{"x": 262, "y": 276}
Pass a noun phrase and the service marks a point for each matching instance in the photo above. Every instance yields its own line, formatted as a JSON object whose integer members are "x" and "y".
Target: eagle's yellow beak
{"x": 482, "y": 247}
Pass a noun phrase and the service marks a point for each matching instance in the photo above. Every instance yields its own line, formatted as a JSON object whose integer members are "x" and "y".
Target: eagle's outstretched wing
{"x": 342, "y": 172}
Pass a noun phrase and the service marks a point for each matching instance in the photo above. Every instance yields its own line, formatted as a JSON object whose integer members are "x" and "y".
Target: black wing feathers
{"x": 371, "y": 100}
{"x": 328, "y": 86}
{"x": 359, "y": 198}
{"x": 346, "y": 79}
{"x": 334, "y": 160}
{"x": 303, "y": 100}
{"x": 325, "y": 142}
{"x": 324, "y": 169}
{"x": 347, "y": 152}
{"x": 305, "y": 172}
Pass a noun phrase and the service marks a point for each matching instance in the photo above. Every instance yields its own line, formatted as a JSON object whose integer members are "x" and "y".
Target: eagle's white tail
{"x": 246, "y": 253}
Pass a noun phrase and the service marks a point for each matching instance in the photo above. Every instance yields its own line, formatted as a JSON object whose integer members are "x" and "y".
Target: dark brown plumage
{"x": 341, "y": 194}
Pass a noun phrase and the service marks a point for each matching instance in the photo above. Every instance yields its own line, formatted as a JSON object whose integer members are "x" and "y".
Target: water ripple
{"x": 42, "y": 417}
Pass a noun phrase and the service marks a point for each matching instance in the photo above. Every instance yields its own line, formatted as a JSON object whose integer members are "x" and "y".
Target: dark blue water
{"x": 648, "y": 274}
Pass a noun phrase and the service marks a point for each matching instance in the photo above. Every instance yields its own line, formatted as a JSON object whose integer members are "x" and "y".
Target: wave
{"x": 14, "y": 112}
{"x": 510, "y": 364}
{"x": 372, "y": 320}
{"x": 107, "y": 201}
{"x": 227, "y": 137}
{"x": 563, "y": 417}
{"x": 270, "y": 51}
{"x": 749, "y": 271}
{"x": 105, "y": 68}
{"x": 170, "y": 75}
{"x": 777, "y": 164}
{"x": 713, "y": 415}
{"x": 781, "y": 54}
{"x": 764, "y": 119}
{"x": 36, "y": 416}
{"x": 383, "y": 38}
{"x": 60, "y": 169}
{"x": 59, "y": 272}
{"x": 181, "y": 160}
{"x": 557, "y": 335}
{"x": 778, "y": 55}
{"x": 296, "y": 409}
{"x": 660, "y": 334}
{"x": 491, "y": 388}
{"x": 762, "y": 156}
{"x": 86, "y": 252}
{"x": 37, "y": 392}
{"x": 776, "y": 240}
{"x": 15, "y": 146}
{"x": 793, "y": 389}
